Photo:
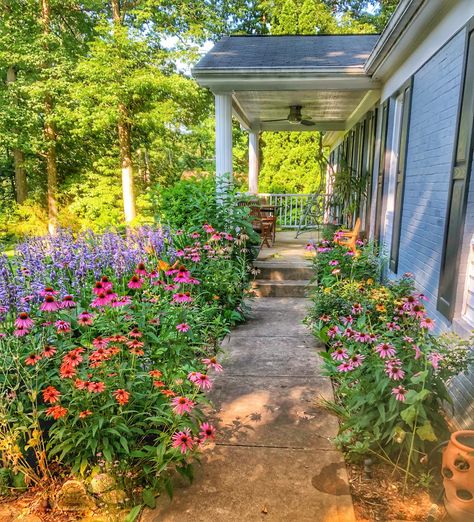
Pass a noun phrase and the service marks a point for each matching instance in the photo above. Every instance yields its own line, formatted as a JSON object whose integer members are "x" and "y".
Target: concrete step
{"x": 292, "y": 288}
{"x": 284, "y": 271}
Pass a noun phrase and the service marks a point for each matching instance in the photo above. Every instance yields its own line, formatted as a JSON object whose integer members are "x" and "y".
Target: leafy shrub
{"x": 106, "y": 342}
{"x": 390, "y": 371}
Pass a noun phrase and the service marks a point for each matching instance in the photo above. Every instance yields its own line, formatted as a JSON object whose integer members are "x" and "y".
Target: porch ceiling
{"x": 266, "y": 75}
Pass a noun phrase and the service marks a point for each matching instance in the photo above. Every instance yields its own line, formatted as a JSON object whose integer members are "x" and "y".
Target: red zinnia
{"x": 56, "y": 412}
{"x": 51, "y": 394}
{"x": 96, "y": 387}
{"x": 67, "y": 371}
{"x": 121, "y": 396}
{"x": 84, "y": 414}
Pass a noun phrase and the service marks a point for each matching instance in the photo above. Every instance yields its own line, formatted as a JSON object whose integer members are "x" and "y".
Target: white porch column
{"x": 254, "y": 152}
{"x": 223, "y": 115}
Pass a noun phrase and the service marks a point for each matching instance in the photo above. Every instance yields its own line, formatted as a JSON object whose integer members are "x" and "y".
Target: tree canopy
{"x": 96, "y": 112}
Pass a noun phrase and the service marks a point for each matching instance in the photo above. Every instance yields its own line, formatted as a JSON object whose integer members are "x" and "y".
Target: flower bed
{"x": 389, "y": 370}
{"x": 107, "y": 345}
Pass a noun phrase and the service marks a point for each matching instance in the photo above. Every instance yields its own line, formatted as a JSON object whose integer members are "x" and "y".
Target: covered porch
{"x": 285, "y": 83}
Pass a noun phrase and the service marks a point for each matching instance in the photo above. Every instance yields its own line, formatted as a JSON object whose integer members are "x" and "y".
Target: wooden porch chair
{"x": 349, "y": 237}
{"x": 262, "y": 225}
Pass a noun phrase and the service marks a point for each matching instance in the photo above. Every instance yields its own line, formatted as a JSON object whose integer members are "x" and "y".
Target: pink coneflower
{"x": 394, "y": 372}
{"x": 417, "y": 351}
{"x": 208, "y": 228}
{"x": 345, "y": 367}
{"x": 106, "y": 284}
{"x": 183, "y": 327}
{"x": 182, "y": 405}
{"x": 141, "y": 269}
{"x": 207, "y": 431}
{"x": 135, "y": 332}
{"x": 20, "y": 332}
{"x": 110, "y": 295}
{"x": 48, "y": 291}
{"x": 100, "y": 300}
{"x": 434, "y": 359}
{"x": 157, "y": 282}
{"x": 32, "y": 359}
{"x": 135, "y": 282}
{"x": 100, "y": 342}
{"x": 24, "y": 321}
{"x": 348, "y": 319}
{"x": 385, "y": 350}
{"x": 195, "y": 235}
{"x": 349, "y": 333}
{"x": 182, "y": 275}
{"x": 182, "y": 298}
{"x": 408, "y": 339}
{"x": 171, "y": 287}
{"x": 183, "y": 440}
{"x": 120, "y": 301}
{"x": 194, "y": 281}
{"x": 192, "y": 376}
{"x": 212, "y": 363}
{"x": 357, "y": 309}
{"x": 363, "y": 337}
{"x": 325, "y": 318}
{"x": 85, "y": 319}
{"x": 49, "y": 304}
{"x": 393, "y": 326}
{"x": 62, "y": 326}
{"x": 203, "y": 381}
{"x": 99, "y": 288}
{"x": 399, "y": 393}
{"x": 334, "y": 262}
{"x": 336, "y": 271}
{"x": 134, "y": 343}
{"x": 333, "y": 331}
{"x": 68, "y": 302}
{"x": 427, "y": 323}
{"x": 339, "y": 354}
{"x": 356, "y": 360}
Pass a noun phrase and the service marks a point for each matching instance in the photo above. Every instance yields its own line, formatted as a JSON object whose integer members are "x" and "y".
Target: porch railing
{"x": 295, "y": 210}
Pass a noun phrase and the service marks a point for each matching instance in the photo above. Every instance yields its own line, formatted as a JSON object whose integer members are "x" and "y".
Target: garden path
{"x": 273, "y": 459}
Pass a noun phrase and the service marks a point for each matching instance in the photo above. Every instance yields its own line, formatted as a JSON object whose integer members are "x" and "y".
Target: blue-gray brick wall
{"x": 435, "y": 100}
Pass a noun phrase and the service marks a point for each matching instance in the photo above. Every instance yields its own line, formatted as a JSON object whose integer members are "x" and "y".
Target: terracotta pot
{"x": 458, "y": 476}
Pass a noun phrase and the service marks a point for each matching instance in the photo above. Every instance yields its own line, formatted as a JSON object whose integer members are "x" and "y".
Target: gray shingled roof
{"x": 288, "y": 52}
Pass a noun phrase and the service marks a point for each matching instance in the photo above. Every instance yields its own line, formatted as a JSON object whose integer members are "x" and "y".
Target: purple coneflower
{"x": 385, "y": 350}
{"x": 49, "y": 304}
{"x": 68, "y": 302}
{"x": 183, "y": 440}
{"x": 24, "y": 321}
{"x": 399, "y": 393}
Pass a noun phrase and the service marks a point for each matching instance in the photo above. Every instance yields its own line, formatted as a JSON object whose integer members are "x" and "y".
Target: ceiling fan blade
{"x": 307, "y": 123}
{"x": 269, "y": 121}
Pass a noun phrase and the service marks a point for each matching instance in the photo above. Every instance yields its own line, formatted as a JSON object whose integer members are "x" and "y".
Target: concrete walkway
{"x": 273, "y": 459}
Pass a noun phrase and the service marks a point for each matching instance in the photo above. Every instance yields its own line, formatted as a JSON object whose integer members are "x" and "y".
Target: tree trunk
{"x": 50, "y": 136}
{"x": 124, "y": 135}
{"x": 21, "y": 187}
{"x": 128, "y": 189}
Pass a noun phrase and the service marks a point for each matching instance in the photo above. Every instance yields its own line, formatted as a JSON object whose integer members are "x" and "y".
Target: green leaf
{"x": 149, "y": 498}
{"x": 419, "y": 377}
{"x": 426, "y": 432}
{"x": 133, "y": 514}
{"x": 408, "y": 415}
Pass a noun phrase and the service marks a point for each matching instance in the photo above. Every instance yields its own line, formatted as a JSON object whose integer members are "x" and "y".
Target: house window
{"x": 400, "y": 176}
{"x": 468, "y": 307}
{"x": 381, "y": 171}
{"x": 458, "y": 191}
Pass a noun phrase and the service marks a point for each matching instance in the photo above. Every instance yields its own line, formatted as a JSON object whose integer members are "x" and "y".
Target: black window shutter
{"x": 371, "y": 139}
{"x": 458, "y": 191}
{"x": 400, "y": 181}
{"x": 381, "y": 171}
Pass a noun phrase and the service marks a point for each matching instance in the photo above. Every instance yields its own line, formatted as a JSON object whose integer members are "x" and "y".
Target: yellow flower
{"x": 327, "y": 290}
{"x": 380, "y": 308}
{"x": 370, "y": 281}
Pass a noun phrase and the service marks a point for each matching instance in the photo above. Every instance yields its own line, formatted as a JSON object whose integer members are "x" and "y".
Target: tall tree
{"x": 21, "y": 187}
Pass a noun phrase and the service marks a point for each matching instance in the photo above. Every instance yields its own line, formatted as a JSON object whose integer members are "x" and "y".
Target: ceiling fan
{"x": 295, "y": 117}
